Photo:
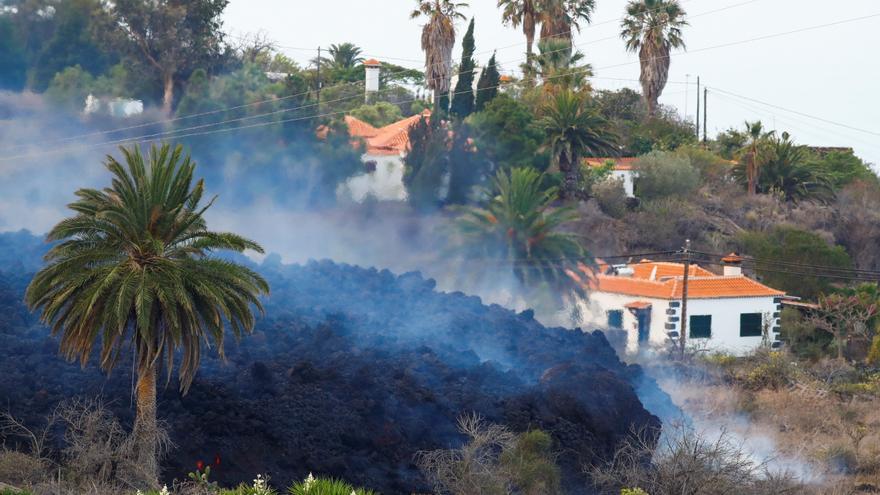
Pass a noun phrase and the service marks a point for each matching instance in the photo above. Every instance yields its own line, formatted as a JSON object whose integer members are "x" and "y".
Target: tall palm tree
{"x": 134, "y": 267}
{"x": 752, "y": 154}
{"x": 438, "y": 38}
{"x": 574, "y": 130}
{"x": 558, "y": 17}
{"x": 345, "y": 55}
{"x": 653, "y": 28}
{"x": 520, "y": 228}
{"x": 523, "y": 12}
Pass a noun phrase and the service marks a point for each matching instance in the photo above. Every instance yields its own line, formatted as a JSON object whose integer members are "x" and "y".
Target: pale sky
{"x": 830, "y": 72}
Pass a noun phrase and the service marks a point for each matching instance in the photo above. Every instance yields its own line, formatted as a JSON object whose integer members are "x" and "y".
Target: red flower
{"x": 216, "y": 460}
{"x": 200, "y": 465}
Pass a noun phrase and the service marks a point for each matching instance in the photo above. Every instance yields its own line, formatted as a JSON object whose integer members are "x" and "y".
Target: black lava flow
{"x": 349, "y": 374}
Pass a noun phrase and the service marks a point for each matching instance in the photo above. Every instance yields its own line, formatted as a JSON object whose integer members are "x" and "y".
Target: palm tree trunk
{"x": 570, "y": 179}
{"x": 145, "y": 431}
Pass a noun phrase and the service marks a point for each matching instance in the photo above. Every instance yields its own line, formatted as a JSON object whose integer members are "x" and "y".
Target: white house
{"x": 622, "y": 171}
{"x": 729, "y": 312}
{"x": 383, "y": 155}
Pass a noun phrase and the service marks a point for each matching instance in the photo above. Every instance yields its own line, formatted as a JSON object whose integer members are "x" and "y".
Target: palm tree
{"x": 751, "y": 153}
{"x": 438, "y": 37}
{"x": 574, "y": 129}
{"x": 559, "y": 16}
{"x": 653, "y": 28}
{"x": 345, "y": 56}
{"x": 134, "y": 266}
{"x": 559, "y": 66}
{"x": 788, "y": 171}
{"x": 523, "y": 12}
{"x": 520, "y": 229}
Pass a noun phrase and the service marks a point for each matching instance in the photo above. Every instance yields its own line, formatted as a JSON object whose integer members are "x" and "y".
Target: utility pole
{"x": 705, "y": 115}
{"x": 698, "y": 108}
{"x": 686, "y": 251}
{"x": 687, "y": 96}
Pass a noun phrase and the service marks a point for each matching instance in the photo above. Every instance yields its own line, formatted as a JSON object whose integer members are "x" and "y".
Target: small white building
{"x": 622, "y": 171}
{"x": 728, "y": 313}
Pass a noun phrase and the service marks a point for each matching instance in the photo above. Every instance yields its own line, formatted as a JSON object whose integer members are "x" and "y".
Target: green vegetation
{"x": 134, "y": 266}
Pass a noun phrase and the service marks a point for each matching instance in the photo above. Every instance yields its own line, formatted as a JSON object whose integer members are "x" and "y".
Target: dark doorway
{"x": 643, "y": 316}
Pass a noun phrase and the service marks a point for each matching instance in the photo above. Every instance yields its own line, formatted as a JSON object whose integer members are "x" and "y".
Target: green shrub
{"x": 772, "y": 370}
{"x": 633, "y": 491}
{"x": 662, "y": 174}
{"x": 610, "y": 196}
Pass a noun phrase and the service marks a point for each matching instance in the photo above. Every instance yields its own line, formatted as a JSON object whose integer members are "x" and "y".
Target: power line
{"x": 272, "y": 100}
{"x": 568, "y": 74}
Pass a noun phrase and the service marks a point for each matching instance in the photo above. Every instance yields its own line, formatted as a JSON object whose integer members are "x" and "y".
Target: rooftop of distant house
{"x": 664, "y": 280}
{"x": 392, "y": 139}
{"x": 620, "y": 163}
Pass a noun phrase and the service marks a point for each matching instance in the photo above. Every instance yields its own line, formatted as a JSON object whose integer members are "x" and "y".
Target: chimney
{"x": 371, "y": 83}
{"x": 732, "y": 265}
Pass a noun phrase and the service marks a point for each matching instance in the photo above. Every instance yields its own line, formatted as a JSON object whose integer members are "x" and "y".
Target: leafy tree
{"x": 729, "y": 143}
{"x": 846, "y": 318}
{"x": 171, "y": 36}
{"x": 757, "y": 140}
{"x": 463, "y": 95}
{"x": 792, "y": 245}
{"x": 379, "y": 114}
{"x": 134, "y": 266}
{"x": 13, "y": 58}
{"x": 662, "y": 174}
{"x": 438, "y": 37}
{"x": 653, "y": 28}
{"x": 73, "y": 43}
{"x": 787, "y": 170}
{"x": 574, "y": 129}
{"x": 525, "y": 12}
{"x": 507, "y": 133}
{"x": 70, "y": 87}
{"x": 487, "y": 86}
{"x": 519, "y": 228}
{"x": 843, "y": 168}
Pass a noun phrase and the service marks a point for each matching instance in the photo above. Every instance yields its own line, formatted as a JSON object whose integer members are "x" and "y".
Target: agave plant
{"x": 520, "y": 229}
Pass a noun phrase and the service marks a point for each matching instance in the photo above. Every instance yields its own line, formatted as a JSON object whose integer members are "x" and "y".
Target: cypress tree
{"x": 463, "y": 96}
{"x": 487, "y": 87}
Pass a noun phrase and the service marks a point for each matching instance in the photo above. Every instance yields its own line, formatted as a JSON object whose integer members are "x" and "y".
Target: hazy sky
{"x": 830, "y": 72}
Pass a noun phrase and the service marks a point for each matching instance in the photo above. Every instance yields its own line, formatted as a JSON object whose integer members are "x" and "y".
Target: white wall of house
{"x": 626, "y": 177}
{"x": 596, "y": 312}
{"x": 725, "y": 313}
{"x": 726, "y": 322}
{"x": 385, "y": 183}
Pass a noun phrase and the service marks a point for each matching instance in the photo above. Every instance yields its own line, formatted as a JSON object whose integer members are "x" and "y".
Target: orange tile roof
{"x": 372, "y": 62}
{"x": 702, "y": 284}
{"x": 657, "y": 270}
{"x": 622, "y": 163}
{"x": 638, "y": 305}
{"x": 393, "y": 139}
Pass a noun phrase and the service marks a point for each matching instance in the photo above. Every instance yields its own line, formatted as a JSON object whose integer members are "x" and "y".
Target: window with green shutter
{"x": 700, "y": 326}
{"x": 615, "y": 318}
{"x": 751, "y": 325}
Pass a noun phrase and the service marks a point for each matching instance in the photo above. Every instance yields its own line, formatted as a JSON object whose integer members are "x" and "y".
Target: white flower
{"x": 259, "y": 483}
{"x": 310, "y": 480}
{"x": 139, "y": 493}
{"x": 353, "y": 493}
{"x": 164, "y": 490}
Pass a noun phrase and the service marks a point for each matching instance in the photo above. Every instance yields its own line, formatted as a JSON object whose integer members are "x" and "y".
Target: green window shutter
{"x": 751, "y": 325}
{"x": 700, "y": 326}
{"x": 615, "y": 318}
